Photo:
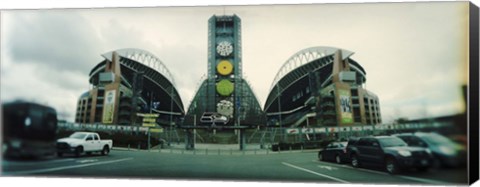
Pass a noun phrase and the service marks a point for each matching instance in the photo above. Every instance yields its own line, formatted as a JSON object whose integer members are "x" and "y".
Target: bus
{"x": 28, "y": 130}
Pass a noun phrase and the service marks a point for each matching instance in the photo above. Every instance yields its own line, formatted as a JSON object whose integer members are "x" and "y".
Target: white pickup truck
{"x": 83, "y": 142}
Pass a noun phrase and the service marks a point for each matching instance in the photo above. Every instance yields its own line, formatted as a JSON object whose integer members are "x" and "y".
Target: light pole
{"x": 280, "y": 111}
{"x": 194, "y": 123}
{"x": 171, "y": 113}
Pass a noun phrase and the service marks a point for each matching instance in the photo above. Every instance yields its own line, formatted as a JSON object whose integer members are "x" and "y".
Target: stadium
{"x": 321, "y": 87}
{"x": 127, "y": 82}
{"x": 316, "y": 87}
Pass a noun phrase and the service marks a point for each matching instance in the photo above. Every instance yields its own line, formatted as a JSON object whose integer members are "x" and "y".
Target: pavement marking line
{"x": 361, "y": 169}
{"x": 315, "y": 173}
{"x": 19, "y": 163}
{"x": 429, "y": 181}
{"x": 61, "y": 160}
{"x": 62, "y": 168}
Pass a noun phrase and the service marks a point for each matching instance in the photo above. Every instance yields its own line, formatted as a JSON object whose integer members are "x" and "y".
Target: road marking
{"x": 20, "y": 163}
{"x": 315, "y": 173}
{"x": 429, "y": 181}
{"x": 328, "y": 167}
{"x": 62, "y": 168}
{"x": 87, "y": 161}
{"x": 60, "y": 160}
{"x": 361, "y": 169}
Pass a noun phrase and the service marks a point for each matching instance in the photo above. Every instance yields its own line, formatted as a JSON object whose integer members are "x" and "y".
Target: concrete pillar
{"x": 242, "y": 140}
{"x": 189, "y": 143}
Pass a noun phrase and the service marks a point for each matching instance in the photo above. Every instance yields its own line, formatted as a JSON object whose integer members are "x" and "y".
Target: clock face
{"x": 225, "y": 87}
{"x": 224, "y": 48}
{"x": 225, "y": 108}
{"x": 224, "y": 67}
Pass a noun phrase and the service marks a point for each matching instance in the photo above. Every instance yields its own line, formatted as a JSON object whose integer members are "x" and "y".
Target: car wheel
{"x": 320, "y": 156}
{"x": 338, "y": 159}
{"x": 78, "y": 151}
{"x": 355, "y": 163}
{"x": 59, "y": 154}
{"x": 391, "y": 166}
{"x": 105, "y": 150}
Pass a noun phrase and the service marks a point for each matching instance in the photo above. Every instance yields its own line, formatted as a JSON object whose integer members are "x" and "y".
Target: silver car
{"x": 214, "y": 118}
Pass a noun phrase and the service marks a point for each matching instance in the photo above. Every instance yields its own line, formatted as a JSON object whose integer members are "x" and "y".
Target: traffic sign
{"x": 149, "y": 120}
{"x": 148, "y": 115}
{"x": 149, "y": 124}
{"x": 160, "y": 130}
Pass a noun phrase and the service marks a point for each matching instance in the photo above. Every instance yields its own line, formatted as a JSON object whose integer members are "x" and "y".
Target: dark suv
{"x": 446, "y": 152}
{"x": 390, "y": 152}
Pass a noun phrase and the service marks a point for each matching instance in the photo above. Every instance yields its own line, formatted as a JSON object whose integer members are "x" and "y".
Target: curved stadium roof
{"x": 153, "y": 68}
{"x": 305, "y": 56}
{"x": 303, "y": 62}
{"x": 144, "y": 57}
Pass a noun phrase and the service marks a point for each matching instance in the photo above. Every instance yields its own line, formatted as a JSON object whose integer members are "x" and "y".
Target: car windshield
{"x": 391, "y": 142}
{"x": 78, "y": 135}
{"x": 413, "y": 141}
{"x": 436, "y": 139}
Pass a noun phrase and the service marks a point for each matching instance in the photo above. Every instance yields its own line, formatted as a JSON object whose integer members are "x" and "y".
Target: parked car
{"x": 390, "y": 152}
{"x": 83, "y": 142}
{"x": 213, "y": 118}
{"x": 334, "y": 151}
{"x": 29, "y": 130}
{"x": 446, "y": 152}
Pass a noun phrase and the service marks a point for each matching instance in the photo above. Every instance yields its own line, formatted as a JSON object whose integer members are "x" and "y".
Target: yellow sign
{"x": 108, "y": 106}
{"x": 157, "y": 130}
{"x": 149, "y": 124}
{"x": 148, "y": 115}
{"x": 151, "y": 120}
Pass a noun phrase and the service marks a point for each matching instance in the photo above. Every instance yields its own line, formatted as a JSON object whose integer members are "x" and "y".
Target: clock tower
{"x": 224, "y": 81}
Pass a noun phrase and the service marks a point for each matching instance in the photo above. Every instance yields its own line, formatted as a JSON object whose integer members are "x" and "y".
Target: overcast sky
{"x": 415, "y": 54}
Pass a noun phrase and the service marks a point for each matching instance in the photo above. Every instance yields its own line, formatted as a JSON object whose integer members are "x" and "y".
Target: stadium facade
{"x": 316, "y": 87}
{"x": 321, "y": 86}
{"x": 224, "y": 90}
{"x": 128, "y": 82}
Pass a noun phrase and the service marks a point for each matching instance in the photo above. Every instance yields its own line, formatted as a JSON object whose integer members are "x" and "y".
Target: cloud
{"x": 412, "y": 52}
{"x": 59, "y": 40}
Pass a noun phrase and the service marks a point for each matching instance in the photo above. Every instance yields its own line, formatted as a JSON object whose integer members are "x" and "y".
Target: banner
{"x": 345, "y": 106}
{"x": 367, "y": 127}
{"x": 359, "y": 128}
{"x": 292, "y": 131}
{"x": 307, "y": 130}
{"x": 332, "y": 129}
{"x": 344, "y": 129}
{"x": 320, "y": 130}
{"x": 143, "y": 129}
{"x": 109, "y": 106}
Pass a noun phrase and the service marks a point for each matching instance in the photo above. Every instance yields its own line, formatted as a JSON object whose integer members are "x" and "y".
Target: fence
{"x": 271, "y": 135}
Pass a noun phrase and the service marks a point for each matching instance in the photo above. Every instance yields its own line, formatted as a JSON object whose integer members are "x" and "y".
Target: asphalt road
{"x": 288, "y": 166}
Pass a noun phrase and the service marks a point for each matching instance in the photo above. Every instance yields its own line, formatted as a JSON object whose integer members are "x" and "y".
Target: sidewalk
{"x": 216, "y": 149}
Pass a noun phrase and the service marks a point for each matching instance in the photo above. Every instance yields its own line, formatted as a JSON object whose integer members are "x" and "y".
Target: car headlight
{"x": 428, "y": 151}
{"x": 405, "y": 153}
{"x": 447, "y": 150}
{"x": 15, "y": 144}
{"x": 4, "y": 148}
